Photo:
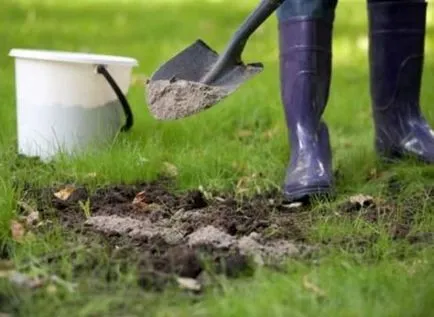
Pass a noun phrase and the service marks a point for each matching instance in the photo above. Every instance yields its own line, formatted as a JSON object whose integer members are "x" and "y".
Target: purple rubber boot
{"x": 305, "y": 63}
{"x": 396, "y": 52}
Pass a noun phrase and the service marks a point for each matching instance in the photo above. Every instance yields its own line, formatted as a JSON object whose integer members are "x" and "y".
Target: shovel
{"x": 197, "y": 78}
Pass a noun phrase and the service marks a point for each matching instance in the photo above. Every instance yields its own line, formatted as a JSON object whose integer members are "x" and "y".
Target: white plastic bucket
{"x": 67, "y": 102}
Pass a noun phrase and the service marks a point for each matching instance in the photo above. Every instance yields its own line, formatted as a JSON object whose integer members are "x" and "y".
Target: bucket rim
{"x": 73, "y": 57}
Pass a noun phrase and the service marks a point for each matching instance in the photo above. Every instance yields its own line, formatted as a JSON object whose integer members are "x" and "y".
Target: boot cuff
{"x": 306, "y": 32}
{"x": 400, "y": 16}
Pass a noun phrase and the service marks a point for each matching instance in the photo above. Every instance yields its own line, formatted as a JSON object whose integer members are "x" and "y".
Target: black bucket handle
{"x": 101, "y": 69}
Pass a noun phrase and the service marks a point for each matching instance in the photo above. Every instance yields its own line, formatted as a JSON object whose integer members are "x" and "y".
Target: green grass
{"x": 392, "y": 278}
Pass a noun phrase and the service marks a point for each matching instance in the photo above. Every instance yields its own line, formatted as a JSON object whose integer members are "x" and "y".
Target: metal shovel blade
{"x": 197, "y": 60}
{"x": 175, "y": 89}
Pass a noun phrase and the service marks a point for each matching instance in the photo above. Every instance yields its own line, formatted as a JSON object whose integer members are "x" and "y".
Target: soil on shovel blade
{"x": 170, "y": 100}
{"x": 185, "y": 235}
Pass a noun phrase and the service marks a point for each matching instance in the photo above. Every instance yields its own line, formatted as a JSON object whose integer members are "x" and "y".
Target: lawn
{"x": 361, "y": 270}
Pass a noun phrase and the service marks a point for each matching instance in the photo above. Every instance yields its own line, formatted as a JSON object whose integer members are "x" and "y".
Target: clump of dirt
{"x": 174, "y": 99}
{"x": 269, "y": 252}
{"x": 133, "y": 228}
{"x": 210, "y": 235}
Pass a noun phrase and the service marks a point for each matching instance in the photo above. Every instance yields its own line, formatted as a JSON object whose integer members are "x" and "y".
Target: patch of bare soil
{"x": 181, "y": 235}
{"x": 186, "y": 235}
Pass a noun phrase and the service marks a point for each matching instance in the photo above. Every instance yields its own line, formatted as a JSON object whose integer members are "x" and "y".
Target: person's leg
{"x": 372, "y": 1}
{"x": 320, "y": 9}
{"x": 305, "y": 44}
{"x": 396, "y": 52}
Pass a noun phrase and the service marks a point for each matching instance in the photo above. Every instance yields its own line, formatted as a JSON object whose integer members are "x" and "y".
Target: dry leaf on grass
{"x": 188, "y": 284}
{"x": 6, "y": 265}
{"x": 312, "y": 287}
{"x": 170, "y": 169}
{"x": 239, "y": 166}
{"x": 22, "y": 280}
{"x": 356, "y": 203}
{"x": 65, "y": 193}
{"x": 362, "y": 200}
{"x": 17, "y": 231}
{"x": 4, "y": 274}
{"x": 32, "y": 217}
{"x": 373, "y": 174}
{"x": 293, "y": 206}
{"x": 51, "y": 289}
{"x": 140, "y": 199}
{"x": 70, "y": 287}
{"x": 207, "y": 194}
{"x": 6, "y": 269}
{"x": 33, "y": 282}
{"x": 269, "y": 134}
{"x": 247, "y": 184}
{"x": 244, "y": 133}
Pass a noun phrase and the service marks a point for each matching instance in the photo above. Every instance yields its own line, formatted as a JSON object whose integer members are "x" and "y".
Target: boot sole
{"x": 307, "y": 194}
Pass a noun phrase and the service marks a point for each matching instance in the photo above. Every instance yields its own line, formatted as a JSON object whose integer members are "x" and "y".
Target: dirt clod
{"x": 271, "y": 252}
{"x": 357, "y": 202}
{"x": 211, "y": 236}
{"x": 136, "y": 229}
{"x": 180, "y": 98}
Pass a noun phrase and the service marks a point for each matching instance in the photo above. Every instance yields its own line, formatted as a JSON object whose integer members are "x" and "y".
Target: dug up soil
{"x": 187, "y": 235}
